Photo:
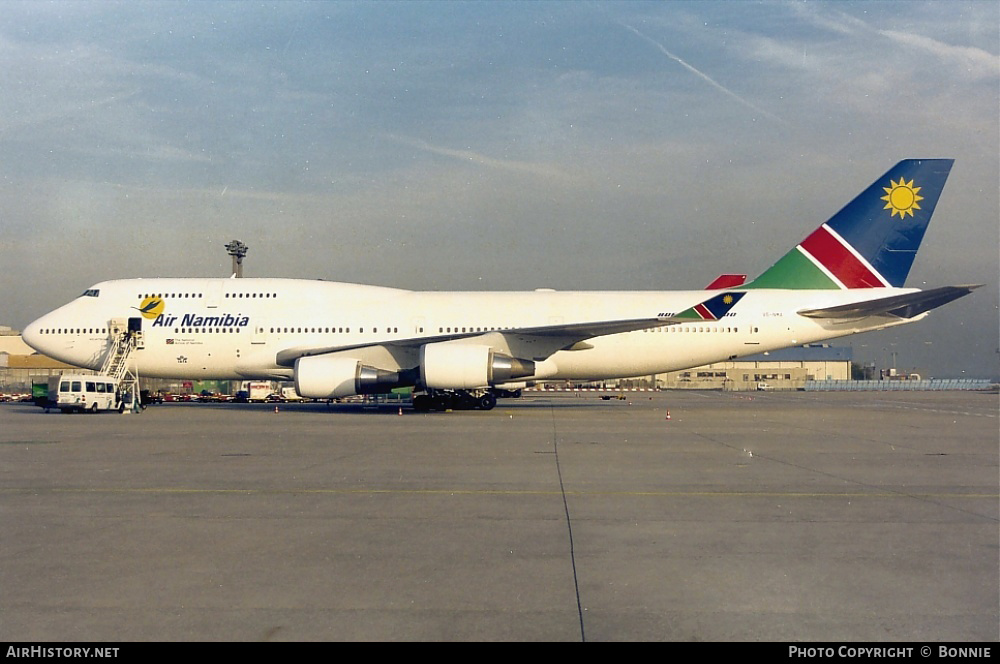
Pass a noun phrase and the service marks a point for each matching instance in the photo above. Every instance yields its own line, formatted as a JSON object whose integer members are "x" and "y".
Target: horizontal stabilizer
{"x": 902, "y": 306}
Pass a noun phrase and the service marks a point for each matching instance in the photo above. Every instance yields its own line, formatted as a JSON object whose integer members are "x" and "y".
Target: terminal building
{"x": 20, "y": 365}
{"x": 785, "y": 369}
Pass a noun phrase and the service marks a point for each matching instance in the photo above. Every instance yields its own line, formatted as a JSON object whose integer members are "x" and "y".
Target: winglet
{"x": 724, "y": 281}
{"x": 713, "y": 308}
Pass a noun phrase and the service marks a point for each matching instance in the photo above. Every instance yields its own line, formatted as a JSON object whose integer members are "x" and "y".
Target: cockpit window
{"x": 91, "y": 292}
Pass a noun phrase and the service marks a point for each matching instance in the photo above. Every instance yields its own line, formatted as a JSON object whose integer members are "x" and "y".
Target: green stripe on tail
{"x": 794, "y": 270}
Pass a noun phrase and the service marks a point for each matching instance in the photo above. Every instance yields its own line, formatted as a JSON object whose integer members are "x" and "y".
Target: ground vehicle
{"x": 255, "y": 391}
{"x": 289, "y": 394}
{"x": 40, "y": 392}
{"x": 84, "y": 393}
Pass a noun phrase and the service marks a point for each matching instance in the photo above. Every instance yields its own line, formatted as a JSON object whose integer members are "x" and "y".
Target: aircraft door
{"x": 118, "y": 327}
{"x": 135, "y": 329}
{"x": 213, "y": 293}
{"x": 259, "y": 335}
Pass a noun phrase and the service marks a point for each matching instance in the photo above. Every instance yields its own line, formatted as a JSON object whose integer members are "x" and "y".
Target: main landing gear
{"x": 454, "y": 400}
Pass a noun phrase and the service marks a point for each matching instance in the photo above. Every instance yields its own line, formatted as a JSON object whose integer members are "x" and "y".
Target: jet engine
{"x": 449, "y": 365}
{"x": 331, "y": 376}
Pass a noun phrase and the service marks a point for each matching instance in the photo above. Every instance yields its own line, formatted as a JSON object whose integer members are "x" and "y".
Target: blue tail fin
{"x": 873, "y": 240}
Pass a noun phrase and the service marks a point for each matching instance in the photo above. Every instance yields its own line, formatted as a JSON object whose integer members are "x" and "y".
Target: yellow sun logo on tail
{"x": 902, "y": 198}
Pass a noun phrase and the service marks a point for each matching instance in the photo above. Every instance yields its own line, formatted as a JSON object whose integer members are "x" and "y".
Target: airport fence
{"x": 899, "y": 385}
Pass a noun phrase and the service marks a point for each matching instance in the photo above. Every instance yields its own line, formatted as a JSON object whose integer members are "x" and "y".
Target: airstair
{"x": 126, "y": 338}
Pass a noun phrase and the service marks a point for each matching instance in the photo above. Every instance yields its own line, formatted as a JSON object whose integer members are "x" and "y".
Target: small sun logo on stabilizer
{"x": 728, "y": 299}
{"x": 902, "y": 198}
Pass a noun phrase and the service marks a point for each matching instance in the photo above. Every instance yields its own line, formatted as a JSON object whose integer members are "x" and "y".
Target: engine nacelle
{"x": 330, "y": 377}
{"x": 459, "y": 366}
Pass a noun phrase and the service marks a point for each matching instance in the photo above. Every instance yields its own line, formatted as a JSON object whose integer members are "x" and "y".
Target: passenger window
{"x": 64, "y": 386}
{"x": 76, "y": 386}
{"x": 91, "y": 387}
{"x": 100, "y": 388}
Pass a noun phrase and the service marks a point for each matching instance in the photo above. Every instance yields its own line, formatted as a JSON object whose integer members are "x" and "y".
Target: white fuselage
{"x": 235, "y": 328}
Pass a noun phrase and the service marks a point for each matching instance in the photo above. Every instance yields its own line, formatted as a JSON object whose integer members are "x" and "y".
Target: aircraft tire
{"x": 487, "y": 401}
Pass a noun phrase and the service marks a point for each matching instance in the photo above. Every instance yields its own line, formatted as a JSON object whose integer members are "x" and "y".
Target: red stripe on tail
{"x": 828, "y": 250}
{"x": 704, "y": 312}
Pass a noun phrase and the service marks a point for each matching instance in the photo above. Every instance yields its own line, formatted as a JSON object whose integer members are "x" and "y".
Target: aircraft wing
{"x": 901, "y": 306}
{"x": 562, "y": 335}
{"x": 541, "y": 341}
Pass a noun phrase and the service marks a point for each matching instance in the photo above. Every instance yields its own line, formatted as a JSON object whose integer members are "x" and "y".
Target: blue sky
{"x": 492, "y": 145}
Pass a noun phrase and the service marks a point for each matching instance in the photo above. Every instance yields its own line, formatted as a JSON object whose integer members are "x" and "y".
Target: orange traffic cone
{"x": 668, "y": 414}
{"x": 400, "y": 410}
{"x": 276, "y": 409}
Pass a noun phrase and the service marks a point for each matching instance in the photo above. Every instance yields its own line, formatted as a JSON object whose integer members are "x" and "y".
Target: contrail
{"x": 705, "y": 77}
{"x": 469, "y": 156}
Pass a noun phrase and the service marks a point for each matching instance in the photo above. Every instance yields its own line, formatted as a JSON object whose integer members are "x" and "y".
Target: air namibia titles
{"x": 194, "y": 320}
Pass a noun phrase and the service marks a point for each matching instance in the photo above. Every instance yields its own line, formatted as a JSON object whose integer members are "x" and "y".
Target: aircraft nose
{"x": 32, "y": 334}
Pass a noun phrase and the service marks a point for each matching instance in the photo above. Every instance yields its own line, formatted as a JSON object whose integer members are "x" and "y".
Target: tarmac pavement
{"x": 778, "y": 516}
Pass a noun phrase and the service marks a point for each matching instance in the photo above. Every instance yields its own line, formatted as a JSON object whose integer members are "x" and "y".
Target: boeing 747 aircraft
{"x": 461, "y": 348}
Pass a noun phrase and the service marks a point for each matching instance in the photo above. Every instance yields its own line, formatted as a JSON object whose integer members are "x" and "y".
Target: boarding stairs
{"x": 116, "y": 364}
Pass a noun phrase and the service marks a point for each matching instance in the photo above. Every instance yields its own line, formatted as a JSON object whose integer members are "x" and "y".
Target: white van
{"x": 85, "y": 393}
